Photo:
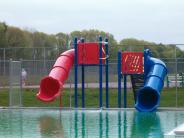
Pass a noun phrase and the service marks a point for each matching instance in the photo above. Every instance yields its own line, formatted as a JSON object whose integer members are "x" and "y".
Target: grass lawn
{"x": 168, "y": 98}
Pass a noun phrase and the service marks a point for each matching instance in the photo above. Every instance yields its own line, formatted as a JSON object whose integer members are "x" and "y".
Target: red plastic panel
{"x": 132, "y": 63}
{"x": 88, "y": 53}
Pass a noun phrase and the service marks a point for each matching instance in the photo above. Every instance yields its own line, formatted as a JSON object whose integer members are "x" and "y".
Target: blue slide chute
{"x": 148, "y": 97}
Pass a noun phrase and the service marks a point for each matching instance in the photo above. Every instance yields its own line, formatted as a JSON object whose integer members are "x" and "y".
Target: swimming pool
{"x": 87, "y": 123}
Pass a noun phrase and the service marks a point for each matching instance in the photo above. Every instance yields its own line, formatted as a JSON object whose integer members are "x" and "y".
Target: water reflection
{"x": 11, "y": 123}
{"x": 146, "y": 125}
{"x": 83, "y": 125}
{"x": 107, "y": 124}
{"x": 50, "y": 127}
{"x": 87, "y": 123}
{"x": 117, "y": 124}
{"x": 76, "y": 125}
{"x": 100, "y": 125}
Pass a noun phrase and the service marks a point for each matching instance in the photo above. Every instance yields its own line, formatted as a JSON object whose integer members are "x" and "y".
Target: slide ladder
{"x": 137, "y": 83}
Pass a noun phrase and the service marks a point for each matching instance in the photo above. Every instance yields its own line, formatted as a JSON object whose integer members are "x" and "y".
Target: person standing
{"x": 24, "y": 76}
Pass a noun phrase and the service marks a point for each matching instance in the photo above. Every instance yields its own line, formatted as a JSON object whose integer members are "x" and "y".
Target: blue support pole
{"x": 119, "y": 79}
{"x": 100, "y": 71}
{"x": 76, "y": 73}
{"x": 125, "y": 90}
{"x": 107, "y": 72}
{"x": 83, "y": 76}
{"x": 146, "y": 54}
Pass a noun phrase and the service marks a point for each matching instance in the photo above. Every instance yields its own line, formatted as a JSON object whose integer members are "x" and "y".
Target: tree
{"x": 39, "y": 45}
{"x": 3, "y": 30}
{"x": 157, "y": 50}
{"x": 16, "y": 38}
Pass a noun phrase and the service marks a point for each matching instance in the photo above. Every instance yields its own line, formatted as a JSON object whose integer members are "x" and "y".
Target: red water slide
{"x": 50, "y": 85}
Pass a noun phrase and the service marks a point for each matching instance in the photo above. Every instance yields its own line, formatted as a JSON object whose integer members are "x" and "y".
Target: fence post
{"x": 107, "y": 72}
{"x": 167, "y": 81}
{"x": 182, "y": 83}
{"x": 176, "y": 82}
{"x": 21, "y": 94}
{"x": 10, "y": 86}
{"x": 44, "y": 60}
{"x": 4, "y": 59}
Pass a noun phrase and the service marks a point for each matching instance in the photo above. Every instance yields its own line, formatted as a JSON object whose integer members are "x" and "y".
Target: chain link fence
{"x": 39, "y": 61}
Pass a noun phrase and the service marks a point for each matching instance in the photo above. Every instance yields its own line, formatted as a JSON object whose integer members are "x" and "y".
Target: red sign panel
{"x": 132, "y": 63}
{"x": 88, "y": 53}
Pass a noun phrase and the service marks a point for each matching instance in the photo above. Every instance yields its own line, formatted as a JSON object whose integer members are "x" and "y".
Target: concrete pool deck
{"x": 103, "y": 108}
{"x": 178, "y": 131}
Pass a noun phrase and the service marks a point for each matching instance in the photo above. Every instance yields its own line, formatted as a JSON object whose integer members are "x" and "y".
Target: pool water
{"x": 35, "y": 123}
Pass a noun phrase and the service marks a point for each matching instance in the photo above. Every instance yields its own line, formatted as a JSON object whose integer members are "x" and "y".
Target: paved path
{"x": 89, "y": 85}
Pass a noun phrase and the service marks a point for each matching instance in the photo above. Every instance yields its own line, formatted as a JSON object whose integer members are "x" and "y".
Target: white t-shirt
{"x": 24, "y": 74}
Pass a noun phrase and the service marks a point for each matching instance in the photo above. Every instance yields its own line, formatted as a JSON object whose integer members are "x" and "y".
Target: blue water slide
{"x": 148, "y": 97}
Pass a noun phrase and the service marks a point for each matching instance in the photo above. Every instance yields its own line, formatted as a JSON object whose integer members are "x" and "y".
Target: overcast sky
{"x": 151, "y": 20}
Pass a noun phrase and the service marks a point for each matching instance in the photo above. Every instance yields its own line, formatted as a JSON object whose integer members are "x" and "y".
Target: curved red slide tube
{"x": 50, "y": 85}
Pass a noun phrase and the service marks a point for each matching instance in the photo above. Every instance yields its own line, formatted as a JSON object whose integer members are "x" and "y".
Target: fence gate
{"x": 15, "y": 90}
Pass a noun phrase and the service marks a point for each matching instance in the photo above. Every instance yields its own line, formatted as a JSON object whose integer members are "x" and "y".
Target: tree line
{"x": 14, "y": 37}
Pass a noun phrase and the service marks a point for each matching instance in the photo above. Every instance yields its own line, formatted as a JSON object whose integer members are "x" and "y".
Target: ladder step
{"x": 137, "y": 83}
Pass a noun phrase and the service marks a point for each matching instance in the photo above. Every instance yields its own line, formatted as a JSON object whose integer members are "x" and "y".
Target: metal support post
{"x": 125, "y": 90}
{"x": 107, "y": 72}
{"x": 100, "y": 72}
{"x": 83, "y": 82}
{"x": 119, "y": 79}
{"x": 76, "y": 73}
